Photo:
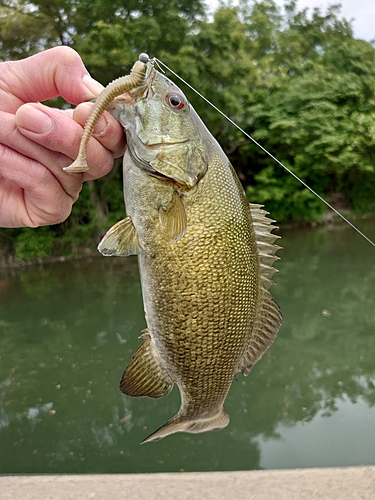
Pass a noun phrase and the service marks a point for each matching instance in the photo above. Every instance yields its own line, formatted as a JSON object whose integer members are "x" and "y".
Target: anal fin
{"x": 121, "y": 240}
{"x": 144, "y": 376}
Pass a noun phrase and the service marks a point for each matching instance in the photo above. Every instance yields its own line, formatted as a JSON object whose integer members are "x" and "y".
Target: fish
{"x": 205, "y": 257}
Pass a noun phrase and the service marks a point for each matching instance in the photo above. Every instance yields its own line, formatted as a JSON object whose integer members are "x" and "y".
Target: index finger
{"x": 54, "y": 72}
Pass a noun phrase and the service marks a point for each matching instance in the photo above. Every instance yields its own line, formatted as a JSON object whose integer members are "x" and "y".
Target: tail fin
{"x": 180, "y": 423}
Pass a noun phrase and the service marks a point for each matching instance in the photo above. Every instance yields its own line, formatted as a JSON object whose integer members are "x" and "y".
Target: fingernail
{"x": 92, "y": 86}
{"x": 33, "y": 119}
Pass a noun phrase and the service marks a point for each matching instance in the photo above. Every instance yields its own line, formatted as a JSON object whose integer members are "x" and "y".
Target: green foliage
{"x": 296, "y": 80}
{"x": 34, "y": 244}
{"x": 320, "y": 124}
{"x": 28, "y": 27}
{"x": 118, "y": 33}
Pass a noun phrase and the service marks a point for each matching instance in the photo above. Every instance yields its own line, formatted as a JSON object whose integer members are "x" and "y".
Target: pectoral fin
{"x": 144, "y": 376}
{"x": 121, "y": 240}
{"x": 173, "y": 218}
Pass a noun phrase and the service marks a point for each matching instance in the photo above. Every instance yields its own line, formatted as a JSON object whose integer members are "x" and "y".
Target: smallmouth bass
{"x": 205, "y": 257}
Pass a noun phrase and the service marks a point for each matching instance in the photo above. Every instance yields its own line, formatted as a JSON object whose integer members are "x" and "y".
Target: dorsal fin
{"x": 268, "y": 318}
{"x": 264, "y": 331}
{"x": 265, "y": 239}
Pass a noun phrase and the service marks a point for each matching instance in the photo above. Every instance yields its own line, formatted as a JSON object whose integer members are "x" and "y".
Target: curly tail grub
{"x": 113, "y": 89}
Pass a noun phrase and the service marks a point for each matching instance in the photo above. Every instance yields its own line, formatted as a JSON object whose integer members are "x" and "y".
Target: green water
{"x": 67, "y": 331}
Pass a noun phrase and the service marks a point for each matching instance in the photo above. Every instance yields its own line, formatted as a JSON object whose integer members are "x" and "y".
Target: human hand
{"x": 37, "y": 141}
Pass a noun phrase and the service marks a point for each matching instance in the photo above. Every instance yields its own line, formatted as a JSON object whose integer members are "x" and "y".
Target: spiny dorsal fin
{"x": 121, "y": 240}
{"x": 268, "y": 318}
{"x": 144, "y": 376}
{"x": 265, "y": 239}
{"x": 173, "y": 218}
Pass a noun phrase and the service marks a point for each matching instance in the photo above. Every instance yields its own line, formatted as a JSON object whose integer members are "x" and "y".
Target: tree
{"x": 295, "y": 80}
{"x": 317, "y": 119}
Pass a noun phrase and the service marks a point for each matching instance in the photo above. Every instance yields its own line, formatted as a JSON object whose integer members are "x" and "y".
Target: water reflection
{"x": 346, "y": 438}
{"x": 67, "y": 331}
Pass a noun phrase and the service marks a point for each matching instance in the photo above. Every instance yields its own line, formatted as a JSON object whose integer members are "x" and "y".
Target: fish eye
{"x": 175, "y": 101}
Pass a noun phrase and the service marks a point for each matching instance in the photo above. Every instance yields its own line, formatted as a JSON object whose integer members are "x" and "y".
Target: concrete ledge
{"x": 346, "y": 483}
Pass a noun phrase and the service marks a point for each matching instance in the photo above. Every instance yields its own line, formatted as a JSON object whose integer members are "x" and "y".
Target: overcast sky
{"x": 362, "y": 12}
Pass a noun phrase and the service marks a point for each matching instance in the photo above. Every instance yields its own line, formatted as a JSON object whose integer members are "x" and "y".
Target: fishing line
{"x": 160, "y": 63}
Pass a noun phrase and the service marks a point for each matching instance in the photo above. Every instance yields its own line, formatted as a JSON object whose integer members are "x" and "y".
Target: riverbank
{"x": 330, "y": 220}
{"x": 346, "y": 483}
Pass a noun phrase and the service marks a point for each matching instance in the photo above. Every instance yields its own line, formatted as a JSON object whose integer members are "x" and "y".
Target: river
{"x": 68, "y": 330}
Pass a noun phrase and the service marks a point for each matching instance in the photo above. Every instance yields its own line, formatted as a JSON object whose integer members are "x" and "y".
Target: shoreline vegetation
{"x": 90, "y": 252}
{"x": 297, "y": 81}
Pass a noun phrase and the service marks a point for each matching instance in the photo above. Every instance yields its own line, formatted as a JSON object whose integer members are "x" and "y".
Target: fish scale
{"x": 205, "y": 255}
{"x": 203, "y": 329}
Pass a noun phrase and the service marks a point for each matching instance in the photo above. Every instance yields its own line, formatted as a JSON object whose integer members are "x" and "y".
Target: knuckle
{"x": 66, "y": 54}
